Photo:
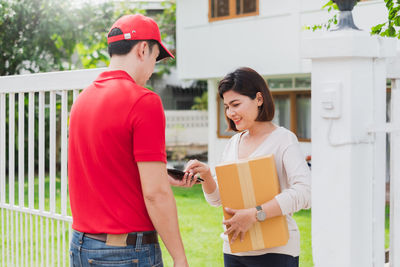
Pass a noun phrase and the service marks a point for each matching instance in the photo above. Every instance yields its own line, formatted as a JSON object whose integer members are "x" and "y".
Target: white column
{"x": 347, "y": 76}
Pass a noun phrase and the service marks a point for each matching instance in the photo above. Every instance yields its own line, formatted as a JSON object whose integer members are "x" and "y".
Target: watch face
{"x": 261, "y": 216}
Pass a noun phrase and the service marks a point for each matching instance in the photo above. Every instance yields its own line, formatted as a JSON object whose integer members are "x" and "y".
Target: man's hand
{"x": 240, "y": 223}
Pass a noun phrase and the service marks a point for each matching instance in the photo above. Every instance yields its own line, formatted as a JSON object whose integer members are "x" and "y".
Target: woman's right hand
{"x": 198, "y": 168}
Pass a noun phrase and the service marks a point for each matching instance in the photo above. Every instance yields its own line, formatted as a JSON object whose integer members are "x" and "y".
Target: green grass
{"x": 200, "y": 226}
{"x": 57, "y": 188}
{"x": 303, "y": 220}
{"x": 31, "y": 228}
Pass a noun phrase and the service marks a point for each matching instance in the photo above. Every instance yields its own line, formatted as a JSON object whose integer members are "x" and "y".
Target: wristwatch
{"x": 260, "y": 215}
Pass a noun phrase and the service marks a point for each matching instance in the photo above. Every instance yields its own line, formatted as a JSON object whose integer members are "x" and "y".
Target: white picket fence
{"x": 36, "y": 221}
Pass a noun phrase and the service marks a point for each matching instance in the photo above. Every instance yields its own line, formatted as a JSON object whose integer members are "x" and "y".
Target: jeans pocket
{"x": 114, "y": 263}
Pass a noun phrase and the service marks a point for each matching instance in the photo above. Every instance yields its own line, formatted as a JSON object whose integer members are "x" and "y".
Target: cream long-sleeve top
{"x": 294, "y": 178}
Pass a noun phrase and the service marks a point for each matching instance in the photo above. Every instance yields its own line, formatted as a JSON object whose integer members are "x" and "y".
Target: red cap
{"x": 139, "y": 27}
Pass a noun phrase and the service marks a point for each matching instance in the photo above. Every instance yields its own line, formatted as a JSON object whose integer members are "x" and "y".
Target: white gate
{"x": 34, "y": 211}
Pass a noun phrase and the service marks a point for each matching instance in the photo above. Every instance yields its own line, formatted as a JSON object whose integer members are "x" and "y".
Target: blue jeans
{"x": 266, "y": 260}
{"x": 85, "y": 251}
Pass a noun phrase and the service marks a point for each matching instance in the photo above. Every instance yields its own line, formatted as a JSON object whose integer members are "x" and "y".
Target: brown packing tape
{"x": 275, "y": 230}
{"x": 249, "y": 200}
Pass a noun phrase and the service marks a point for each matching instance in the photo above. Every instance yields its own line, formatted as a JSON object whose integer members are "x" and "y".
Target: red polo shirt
{"x": 114, "y": 124}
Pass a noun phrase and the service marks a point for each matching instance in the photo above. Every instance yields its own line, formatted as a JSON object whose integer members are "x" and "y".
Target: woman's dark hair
{"x": 248, "y": 82}
{"x": 123, "y": 47}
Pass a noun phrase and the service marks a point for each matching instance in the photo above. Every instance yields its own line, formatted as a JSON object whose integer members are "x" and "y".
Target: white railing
{"x": 35, "y": 218}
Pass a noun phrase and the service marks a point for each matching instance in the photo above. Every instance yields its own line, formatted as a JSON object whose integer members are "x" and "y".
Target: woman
{"x": 249, "y": 110}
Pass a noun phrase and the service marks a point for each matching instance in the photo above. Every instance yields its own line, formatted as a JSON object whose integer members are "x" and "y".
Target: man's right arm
{"x": 161, "y": 206}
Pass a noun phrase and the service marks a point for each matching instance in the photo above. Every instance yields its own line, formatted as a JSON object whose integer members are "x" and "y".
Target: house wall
{"x": 269, "y": 43}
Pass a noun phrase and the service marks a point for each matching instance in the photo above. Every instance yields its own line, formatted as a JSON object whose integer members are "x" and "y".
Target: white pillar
{"x": 347, "y": 70}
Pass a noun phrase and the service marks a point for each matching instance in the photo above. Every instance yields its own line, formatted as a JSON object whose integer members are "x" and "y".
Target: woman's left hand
{"x": 240, "y": 223}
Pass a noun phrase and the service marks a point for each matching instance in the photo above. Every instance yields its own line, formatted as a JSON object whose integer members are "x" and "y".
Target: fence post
{"x": 347, "y": 73}
{"x": 394, "y": 258}
{"x": 394, "y": 74}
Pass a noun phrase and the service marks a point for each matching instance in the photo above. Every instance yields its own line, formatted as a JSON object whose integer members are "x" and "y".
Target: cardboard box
{"x": 246, "y": 184}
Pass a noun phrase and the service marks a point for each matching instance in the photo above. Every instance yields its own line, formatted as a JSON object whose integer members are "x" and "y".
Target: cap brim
{"x": 164, "y": 52}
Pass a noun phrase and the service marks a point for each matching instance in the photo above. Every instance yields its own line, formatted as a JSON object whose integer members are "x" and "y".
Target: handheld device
{"x": 178, "y": 175}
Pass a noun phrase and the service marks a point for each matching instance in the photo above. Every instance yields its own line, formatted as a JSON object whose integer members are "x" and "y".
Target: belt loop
{"x": 80, "y": 237}
{"x": 139, "y": 237}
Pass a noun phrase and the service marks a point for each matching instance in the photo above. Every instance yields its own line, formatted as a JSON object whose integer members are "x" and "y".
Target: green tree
{"x": 390, "y": 28}
{"x": 92, "y": 45}
{"x": 167, "y": 22}
{"x": 36, "y": 35}
{"x": 43, "y": 35}
{"x": 94, "y": 22}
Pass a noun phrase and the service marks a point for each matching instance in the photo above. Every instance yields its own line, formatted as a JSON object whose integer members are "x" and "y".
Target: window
{"x": 292, "y": 98}
{"x": 293, "y": 111}
{"x": 228, "y": 9}
{"x": 303, "y": 116}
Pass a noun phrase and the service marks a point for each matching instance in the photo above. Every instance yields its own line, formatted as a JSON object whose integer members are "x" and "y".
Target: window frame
{"x": 292, "y": 94}
{"x": 232, "y": 11}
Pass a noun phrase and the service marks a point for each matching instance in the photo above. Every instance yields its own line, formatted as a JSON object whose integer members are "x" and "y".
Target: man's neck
{"x": 124, "y": 63}
{"x": 118, "y": 65}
